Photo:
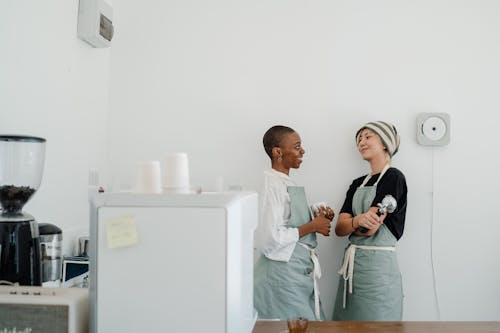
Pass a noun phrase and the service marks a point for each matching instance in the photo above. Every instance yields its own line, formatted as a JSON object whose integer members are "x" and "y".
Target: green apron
{"x": 370, "y": 288}
{"x": 284, "y": 290}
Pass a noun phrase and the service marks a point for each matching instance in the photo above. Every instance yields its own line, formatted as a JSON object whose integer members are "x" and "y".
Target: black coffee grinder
{"x": 21, "y": 168}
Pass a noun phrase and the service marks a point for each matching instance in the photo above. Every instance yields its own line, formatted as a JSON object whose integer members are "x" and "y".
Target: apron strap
{"x": 368, "y": 176}
{"x": 347, "y": 269}
{"x": 316, "y": 275}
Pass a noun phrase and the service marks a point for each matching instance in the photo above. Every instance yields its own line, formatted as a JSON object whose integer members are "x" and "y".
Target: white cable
{"x": 434, "y": 281}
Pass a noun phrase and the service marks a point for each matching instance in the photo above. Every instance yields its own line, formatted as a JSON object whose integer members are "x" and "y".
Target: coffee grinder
{"x": 21, "y": 168}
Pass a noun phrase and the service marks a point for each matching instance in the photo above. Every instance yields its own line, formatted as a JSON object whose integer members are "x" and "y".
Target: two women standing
{"x": 287, "y": 271}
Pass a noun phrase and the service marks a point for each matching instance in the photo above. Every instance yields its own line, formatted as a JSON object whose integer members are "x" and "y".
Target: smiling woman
{"x": 289, "y": 152}
{"x": 286, "y": 274}
{"x": 370, "y": 259}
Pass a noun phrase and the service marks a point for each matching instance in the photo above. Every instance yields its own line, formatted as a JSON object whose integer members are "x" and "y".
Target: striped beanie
{"x": 387, "y": 133}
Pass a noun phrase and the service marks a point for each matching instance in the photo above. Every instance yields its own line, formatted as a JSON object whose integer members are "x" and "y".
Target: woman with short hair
{"x": 286, "y": 273}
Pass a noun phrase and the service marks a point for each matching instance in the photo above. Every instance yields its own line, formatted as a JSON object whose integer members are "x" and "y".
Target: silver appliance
{"x": 51, "y": 253}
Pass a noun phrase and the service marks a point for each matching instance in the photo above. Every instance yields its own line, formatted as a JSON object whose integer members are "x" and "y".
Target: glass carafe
{"x": 21, "y": 169}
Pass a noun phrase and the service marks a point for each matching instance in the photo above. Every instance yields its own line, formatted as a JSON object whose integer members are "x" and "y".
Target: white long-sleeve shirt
{"x": 272, "y": 237}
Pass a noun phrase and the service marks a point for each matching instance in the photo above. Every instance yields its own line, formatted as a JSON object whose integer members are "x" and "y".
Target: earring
{"x": 280, "y": 158}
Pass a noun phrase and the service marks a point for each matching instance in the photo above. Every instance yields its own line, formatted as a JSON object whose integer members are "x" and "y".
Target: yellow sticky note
{"x": 121, "y": 231}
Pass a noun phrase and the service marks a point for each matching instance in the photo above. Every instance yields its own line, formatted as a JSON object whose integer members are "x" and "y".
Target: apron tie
{"x": 347, "y": 269}
{"x": 316, "y": 273}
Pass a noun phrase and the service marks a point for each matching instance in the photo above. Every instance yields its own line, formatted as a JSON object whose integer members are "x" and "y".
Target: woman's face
{"x": 291, "y": 151}
{"x": 370, "y": 145}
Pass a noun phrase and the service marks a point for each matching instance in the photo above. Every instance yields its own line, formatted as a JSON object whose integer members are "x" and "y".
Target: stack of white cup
{"x": 175, "y": 175}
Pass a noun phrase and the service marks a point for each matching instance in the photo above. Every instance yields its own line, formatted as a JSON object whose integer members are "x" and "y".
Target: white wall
{"x": 55, "y": 86}
{"x": 209, "y": 77}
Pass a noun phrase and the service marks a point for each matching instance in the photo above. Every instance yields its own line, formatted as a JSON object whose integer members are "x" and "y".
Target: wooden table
{"x": 384, "y": 327}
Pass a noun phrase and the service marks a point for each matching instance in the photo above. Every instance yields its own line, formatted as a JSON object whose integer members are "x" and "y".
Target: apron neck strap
{"x": 368, "y": 176}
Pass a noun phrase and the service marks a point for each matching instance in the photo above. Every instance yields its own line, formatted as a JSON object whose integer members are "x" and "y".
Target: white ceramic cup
{"x": 148, "y": 178}
{"x": 176, "y": 173}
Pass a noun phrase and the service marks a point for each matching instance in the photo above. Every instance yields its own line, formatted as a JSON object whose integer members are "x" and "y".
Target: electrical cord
{"x": 434, "y": 280}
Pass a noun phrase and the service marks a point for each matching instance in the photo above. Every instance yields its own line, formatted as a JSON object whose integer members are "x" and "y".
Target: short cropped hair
{"x": 273, "y": 137}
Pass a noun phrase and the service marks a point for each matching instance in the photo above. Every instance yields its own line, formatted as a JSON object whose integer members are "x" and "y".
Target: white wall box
{"x": 433, "y": 129}
{"x": 172, "y": 262}
{"x": 95, "y": 22}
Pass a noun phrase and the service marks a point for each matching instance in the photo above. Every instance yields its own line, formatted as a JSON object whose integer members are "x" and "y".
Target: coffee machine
{"x": 21, "y": 168}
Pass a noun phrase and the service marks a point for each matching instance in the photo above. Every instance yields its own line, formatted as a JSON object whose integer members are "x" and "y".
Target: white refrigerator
{"x": 178, "y": 263}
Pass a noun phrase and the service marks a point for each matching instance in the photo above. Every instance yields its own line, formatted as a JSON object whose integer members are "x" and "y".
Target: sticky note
{"x": 121, "y": 231}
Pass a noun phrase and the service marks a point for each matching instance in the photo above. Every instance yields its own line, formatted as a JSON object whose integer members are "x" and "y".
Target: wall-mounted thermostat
{"x": 95, "y": 22}
{"x": 433, "y": 129}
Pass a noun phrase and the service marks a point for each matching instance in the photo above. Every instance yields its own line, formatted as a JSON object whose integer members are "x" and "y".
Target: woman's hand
{"x": 347, "y": 224}
{"x": 319, "y": 224}
{"x": 369, "y": 220}
{"x": 325, "y": 211}
{"x": 322, "y": 225}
